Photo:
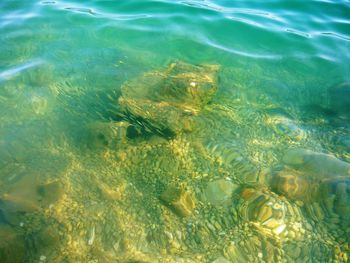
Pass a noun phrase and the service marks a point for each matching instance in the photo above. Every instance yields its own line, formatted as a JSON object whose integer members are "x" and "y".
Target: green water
{"x": 262, "y": 175}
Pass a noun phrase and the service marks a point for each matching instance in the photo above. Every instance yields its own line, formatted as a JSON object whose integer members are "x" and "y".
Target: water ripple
{"x": 297, "y": 32}
{"x": 16, "y": 18}
{"x": 243, "y": 53}
{"x": 247, "y": 21}
{"x": 333, "y": 34}
{"x": 11, "y": 72}
{"x": 64, "y": 65}
{"x": 81, "y": 10}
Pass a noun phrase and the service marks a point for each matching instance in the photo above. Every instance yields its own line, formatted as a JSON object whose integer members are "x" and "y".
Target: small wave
{"x": 48, "y": 2}
{"x": 332, "y": 34}
{"x": 296, "y": 32}
{"x": 82, "y": 10}
{"x": 16, "y": 17}
{"x": 233, "y": 10}
{"x": 243, "y": 20}
{"x": 6, "y": 74}
{"x": 240, "y": 52}
{"x": 258, "y": 13}
{"x": 120, "y": 17}
{"x": 99, "y": 13}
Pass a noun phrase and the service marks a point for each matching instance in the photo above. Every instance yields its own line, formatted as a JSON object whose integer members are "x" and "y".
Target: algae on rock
{"x": 166, "y": 101}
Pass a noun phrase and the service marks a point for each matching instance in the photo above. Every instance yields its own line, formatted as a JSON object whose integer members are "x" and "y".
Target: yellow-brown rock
{"x": 165, "y": 102}
{"x": 292, "y": 185}
{"x": 179, "y": 200}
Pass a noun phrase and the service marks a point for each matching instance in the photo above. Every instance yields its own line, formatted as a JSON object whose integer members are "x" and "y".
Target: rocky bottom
{"x": 167, "y": 201}
{"x": 178, "y": 176}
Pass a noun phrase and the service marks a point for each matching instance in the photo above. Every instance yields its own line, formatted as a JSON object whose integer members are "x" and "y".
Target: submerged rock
{"x": 28, "y": 195}
{"x": 50, "y": 192}
{"x": 285, "y": 126}
{"x": 179, "y": 200}
{"x": 291, "y": 184}
{"x": 102, "y": 134}
{"x": 315, "y": 163}
{"x": 323, "y": 198}
{"x": 219, "y": 192}
{"x": 235, "y": 253}
{"x": 256, "y": 247}
{"x": 335, "y": 194}
{"x": 221, "y": 260}
{"x": 165, "y": 101}
{"x": 231, "y": 158}
{"x": 266, "y": 210}
{"x": 112, "y": 193}
{"x": 22, "y": 196}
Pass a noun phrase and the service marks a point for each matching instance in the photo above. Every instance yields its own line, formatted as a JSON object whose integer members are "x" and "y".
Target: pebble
{"x": 318, "y": 211}
{"x": 178, "y": 234}
{"x": 265, "y": 213}
{"x": 291, "y": 235}
{"x": 278, "y": 230}
{"x": 92, "y": 236}
{"x": 211, "y": 227}
{"x": 169, "y": 235}
{"x": 217, "y": 226}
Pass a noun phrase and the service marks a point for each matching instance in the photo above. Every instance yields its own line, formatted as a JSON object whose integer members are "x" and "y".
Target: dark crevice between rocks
{"x": 141, "y": 128}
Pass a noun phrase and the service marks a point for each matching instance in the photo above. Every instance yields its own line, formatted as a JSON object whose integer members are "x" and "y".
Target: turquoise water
{"x": 262, "y": 175}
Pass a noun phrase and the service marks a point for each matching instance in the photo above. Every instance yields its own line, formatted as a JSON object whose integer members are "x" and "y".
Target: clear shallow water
{"x": 77, "y": 187}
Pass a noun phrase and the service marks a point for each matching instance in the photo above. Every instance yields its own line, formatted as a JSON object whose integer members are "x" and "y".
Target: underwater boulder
{"x": 179, "y": 200}
{"x": 335, "y": 195}
{"x": 219, "y": 192}
{"x": 233, "y": 159}
{"x": 319, "y": 164}
{"x": 254, "y": 247}
{"x": 265, "y": 209}
{"x": 49, "y": 193}
{"x": 101, "y": 134}
{"x": 28, "y": 195}
{"x": 284, "y": 125}
{"x": 292, "y": 184}
{"x": 270, "y": 214}
{"x": 166, "y": 100}
{"x": 22, "y": 196}
{"x": 161, "y": 118}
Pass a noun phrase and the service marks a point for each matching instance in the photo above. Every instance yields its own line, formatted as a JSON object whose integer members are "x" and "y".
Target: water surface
{"x": 263, "y": 175}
